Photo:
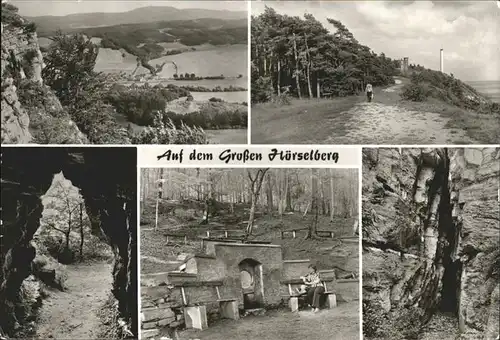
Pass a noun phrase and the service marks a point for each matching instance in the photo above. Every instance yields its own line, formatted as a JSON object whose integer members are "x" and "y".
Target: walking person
{"x": 314, "y": 287}
{"x": 369, "y": 92}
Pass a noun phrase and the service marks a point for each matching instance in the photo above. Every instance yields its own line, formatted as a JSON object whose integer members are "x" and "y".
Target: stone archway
{"x": 107, "y": 180}
{"x": 252, "y": 284}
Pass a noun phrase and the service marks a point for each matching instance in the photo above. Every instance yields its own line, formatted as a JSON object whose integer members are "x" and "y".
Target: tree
{"x": 300, "y": 54}
{"x": 255, "y": 186}
{"x": 69, "y": 71}
{"x": 193, "y": 75}
{"x": 63, "y": 212}
{"x": 314, "y": 203}
{"x": 69, "y": 63}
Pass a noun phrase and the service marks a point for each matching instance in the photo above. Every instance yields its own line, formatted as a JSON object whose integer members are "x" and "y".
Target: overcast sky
{"x": 64, "y": 7}
{"x": 469, "y": 32}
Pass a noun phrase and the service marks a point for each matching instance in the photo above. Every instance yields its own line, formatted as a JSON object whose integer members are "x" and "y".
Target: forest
{"x": 274, "y": 192}
{"x": 187, "y": 32}
{"x": 300, "y": 57}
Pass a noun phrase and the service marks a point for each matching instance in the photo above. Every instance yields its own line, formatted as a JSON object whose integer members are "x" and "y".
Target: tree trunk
{"x": 331, "y": 196}
{"x": 68, "y": 232}
{"x": 323, "y": 205}
{"x": 270, "y": 205}
{"x": 297, "y": 80}
{"x": 158, "y": 197}
{"x": 81, "y": 232}
{"x": 199, "y": 185}
{"x": 288, "y": 194}
{"x": 279, "y": 77}
{"x": 256, "y": 184}
{"x": 318, "y": 88}
{"x": 308, "y": 68}
{"x": 314, "y": 203}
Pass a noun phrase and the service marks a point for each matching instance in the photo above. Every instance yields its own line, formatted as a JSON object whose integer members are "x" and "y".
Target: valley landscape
{"x": 162, "y": 75}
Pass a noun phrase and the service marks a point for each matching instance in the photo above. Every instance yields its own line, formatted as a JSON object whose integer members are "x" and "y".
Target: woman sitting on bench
{"x": 314, "y": 289}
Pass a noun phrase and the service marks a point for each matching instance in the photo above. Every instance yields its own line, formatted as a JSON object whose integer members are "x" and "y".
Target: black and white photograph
{"x": 375, "y": 72}
{"x": 68, "y": 243}
{"x": 124, "y": 72}
{"x": 431, "y": 243}
{"x": 249, "y": 254}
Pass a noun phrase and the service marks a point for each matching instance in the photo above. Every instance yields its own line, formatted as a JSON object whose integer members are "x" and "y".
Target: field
{"x": 227, "y": 60}
{"x": 228, "y": 136}
{"x": 230, "y": 97}
{"x": 113, "y": 61}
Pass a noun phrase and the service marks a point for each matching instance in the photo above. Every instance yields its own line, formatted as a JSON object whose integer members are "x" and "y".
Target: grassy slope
{"x": 325, "y": 252}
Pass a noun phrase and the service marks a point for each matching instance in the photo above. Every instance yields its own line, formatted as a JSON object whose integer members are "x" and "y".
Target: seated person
{"x": 313, "y": 288}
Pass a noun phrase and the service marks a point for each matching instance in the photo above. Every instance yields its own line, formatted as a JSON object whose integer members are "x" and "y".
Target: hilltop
{"x": 49, "y": 24}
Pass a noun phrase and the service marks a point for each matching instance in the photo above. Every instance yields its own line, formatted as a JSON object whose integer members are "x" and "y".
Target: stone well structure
{"x": 226, "y": 278}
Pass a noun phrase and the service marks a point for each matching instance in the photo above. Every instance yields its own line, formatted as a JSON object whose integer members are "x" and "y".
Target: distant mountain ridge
{"x": 46, "y": 24}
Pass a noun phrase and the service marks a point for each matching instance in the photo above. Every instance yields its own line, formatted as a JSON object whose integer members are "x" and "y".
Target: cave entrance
{"x": 106, "y": 203}
{"x": 450, "y": 291}
{"x": 252, "y": 284}
{"x": 73, "y": 261}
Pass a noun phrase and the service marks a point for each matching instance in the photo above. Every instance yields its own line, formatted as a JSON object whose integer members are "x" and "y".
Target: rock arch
{"x": 107, "y": 180}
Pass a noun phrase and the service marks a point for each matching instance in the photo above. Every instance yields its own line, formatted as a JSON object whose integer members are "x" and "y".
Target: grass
{"x": 227, "y": 136}
{"x": 303, "y": 121}
{"x": 480, "y": 127}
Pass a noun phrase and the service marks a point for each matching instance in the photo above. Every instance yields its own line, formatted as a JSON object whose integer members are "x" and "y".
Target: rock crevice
{"x": 428, "y": 248}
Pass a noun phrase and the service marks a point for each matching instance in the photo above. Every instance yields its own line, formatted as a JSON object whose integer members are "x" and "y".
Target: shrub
{"x": 261, "y": 90}
{"x": 10, "y": 16}
{"x": 215, "y": 100}
{"x": 167, "y": 133}
{"x": 282, "y": 99}
{"x": 415, "y": 92}
{"x": 30, "y": 28}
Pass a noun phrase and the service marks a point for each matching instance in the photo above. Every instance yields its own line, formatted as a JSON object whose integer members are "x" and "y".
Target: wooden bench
{"x": 331, "y": 297}
{"x": 235, "y": 232}
{"x": 171, "y": 237}
{"x": 293, "y": 231}
{"x": 196, "y": 315}
{"x": 328, "y": 233}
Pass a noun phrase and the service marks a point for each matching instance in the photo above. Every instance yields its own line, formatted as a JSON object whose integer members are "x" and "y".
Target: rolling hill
{"x": 49, "y": 24}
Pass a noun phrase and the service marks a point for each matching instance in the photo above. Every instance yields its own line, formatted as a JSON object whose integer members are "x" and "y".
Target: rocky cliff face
{"x": 431, "y": 239}
{"x": 27, "y": 116}
{"x": 110, "y": 198}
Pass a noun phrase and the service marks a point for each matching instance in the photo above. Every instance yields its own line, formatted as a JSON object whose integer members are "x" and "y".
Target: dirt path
{"x": 442, "y": 327}
{"x": 376, "y": 123}
{"x": 384, "y": 122}
{"x": 72, "y": 314}
{"x": 341, "y": 323}
{"x": 352, "y": 120}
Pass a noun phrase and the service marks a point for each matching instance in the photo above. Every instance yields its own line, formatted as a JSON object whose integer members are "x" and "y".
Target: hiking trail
{"x": 379, "y": 123}
{"x": 73, "y": 313}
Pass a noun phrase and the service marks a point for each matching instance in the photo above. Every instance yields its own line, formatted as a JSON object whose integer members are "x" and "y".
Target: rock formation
{"x": 431, "y": 239}
{"x": 107, "y": 180}
{"x": 22, "y": 65}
